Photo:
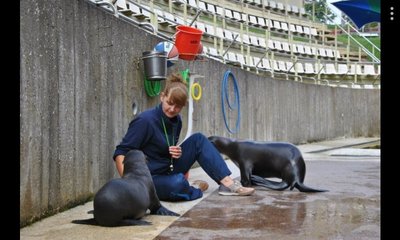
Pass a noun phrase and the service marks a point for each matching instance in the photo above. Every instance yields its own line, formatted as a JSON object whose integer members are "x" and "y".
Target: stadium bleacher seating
{"x": 260, "y": 35}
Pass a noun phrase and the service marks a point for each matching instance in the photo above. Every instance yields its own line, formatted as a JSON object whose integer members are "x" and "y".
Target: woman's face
{"x": 169, "y": 108}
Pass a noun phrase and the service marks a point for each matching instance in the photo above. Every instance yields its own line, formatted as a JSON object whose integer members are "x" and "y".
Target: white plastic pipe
{"x": 190, "y": 108}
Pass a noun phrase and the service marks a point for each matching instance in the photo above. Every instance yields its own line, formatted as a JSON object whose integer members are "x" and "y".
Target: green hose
{"x": 185, "y": 75}
{"x": 153, "y": 88}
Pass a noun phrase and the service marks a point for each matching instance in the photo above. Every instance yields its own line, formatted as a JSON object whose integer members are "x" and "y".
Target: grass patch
{"x": 354, "y": 46}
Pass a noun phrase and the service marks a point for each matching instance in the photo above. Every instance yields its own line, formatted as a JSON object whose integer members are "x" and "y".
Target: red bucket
{"x": 187, "y": 41}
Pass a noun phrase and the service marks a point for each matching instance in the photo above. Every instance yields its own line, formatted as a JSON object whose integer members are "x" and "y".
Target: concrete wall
{"x": 79, "y": 78}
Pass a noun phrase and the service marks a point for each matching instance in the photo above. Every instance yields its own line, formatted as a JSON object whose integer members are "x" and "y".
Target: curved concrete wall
{"x": 80, "y": 73}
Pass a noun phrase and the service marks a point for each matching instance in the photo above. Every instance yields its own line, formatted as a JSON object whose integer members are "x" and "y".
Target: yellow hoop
{"x": 194, "y": 85}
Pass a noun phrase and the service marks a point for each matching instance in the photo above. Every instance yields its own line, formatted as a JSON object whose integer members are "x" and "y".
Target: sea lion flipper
{"x": 89, "y": 221}
{"x": 163, "y": 211}
{"x": 303, "y": 188}
{"x": 262, "y": 182}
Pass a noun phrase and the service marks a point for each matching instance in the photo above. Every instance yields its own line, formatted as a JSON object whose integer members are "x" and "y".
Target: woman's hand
{"x": 175, "y": 151}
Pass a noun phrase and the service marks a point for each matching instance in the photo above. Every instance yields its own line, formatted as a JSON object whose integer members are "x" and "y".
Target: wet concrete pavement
{"x": 349, "y": 210}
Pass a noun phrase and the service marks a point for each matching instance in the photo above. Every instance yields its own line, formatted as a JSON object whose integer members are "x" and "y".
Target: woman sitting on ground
{"x": 156, "y": 132}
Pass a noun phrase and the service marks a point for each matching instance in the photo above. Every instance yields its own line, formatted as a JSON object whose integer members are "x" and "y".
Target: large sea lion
{"x": 260, "y": 160}
{"x": 124, "y": 201}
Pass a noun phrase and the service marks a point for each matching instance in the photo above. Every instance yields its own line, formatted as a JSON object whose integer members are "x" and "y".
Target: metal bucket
{"x": 155, "y": 65}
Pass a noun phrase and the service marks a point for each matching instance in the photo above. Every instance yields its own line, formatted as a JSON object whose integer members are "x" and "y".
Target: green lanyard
{"x": 171, "y": 166}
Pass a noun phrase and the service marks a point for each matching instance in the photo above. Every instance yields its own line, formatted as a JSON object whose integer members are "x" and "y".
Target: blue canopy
{"x": 361, "y": 12}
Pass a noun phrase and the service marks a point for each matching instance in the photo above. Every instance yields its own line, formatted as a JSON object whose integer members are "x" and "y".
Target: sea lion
{"x": 260, "y": 160}
{"x": 123, "y": 201}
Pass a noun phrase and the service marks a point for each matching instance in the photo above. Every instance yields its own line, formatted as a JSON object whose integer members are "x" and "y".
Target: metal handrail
{"x": 359, "y": 34}
{"x": 107, "y": 3}
{"x": 234, "y": 39}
